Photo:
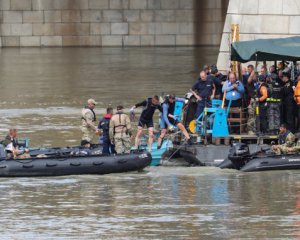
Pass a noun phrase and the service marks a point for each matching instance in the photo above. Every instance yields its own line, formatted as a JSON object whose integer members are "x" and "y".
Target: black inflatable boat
{"x": 240, "y": 158}
{"x": 56, "y": 165}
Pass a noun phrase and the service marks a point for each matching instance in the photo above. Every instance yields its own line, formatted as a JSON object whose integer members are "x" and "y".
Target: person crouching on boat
{"x": 85, "y": 149}
{"x": 120, "y": 131}
{"x": 146, "y": 119}
{"x": 88, "y": 127}
{"x": 286, "y": 140}
{"x": 169, "y": 121}
{"x": 103, "y": 125}
{"x": 11, "y": 144}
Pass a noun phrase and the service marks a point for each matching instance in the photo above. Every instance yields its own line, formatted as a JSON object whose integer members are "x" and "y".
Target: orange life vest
{"x": 297, "y": 93}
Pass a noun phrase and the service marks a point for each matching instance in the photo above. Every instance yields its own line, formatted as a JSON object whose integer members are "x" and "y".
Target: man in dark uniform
{"x": 204, "y": 91}
{"x": 274, "y": 103}
{"x": 146, "y": 119}
{"x": 103, "y": 125}
{"x": 262, "y": 95}
{"x": 218, "y": 79}
{"x": 288, "y": 103}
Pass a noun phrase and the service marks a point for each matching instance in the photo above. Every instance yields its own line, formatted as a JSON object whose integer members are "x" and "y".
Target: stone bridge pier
{"x": 62, "y": 23}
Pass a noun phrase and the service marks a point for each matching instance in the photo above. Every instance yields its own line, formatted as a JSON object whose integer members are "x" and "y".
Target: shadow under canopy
{"x": 284, "y": 49}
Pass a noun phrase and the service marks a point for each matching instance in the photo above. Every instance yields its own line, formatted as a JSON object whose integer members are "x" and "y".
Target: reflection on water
{"x": 162, "y": 203}
{"x": 42, "y": 92}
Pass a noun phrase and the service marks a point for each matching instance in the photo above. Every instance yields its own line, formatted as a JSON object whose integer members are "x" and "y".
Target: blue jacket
{"x": 233, "y": 94}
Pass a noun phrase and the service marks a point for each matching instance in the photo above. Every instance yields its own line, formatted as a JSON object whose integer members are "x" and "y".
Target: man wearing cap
{"x": 286, "y": 141}
{"x": 288, "y": 102}
{"x": 88, "y": 119}
{"x": 262, "y": 95}
{"x": 274, "y": 103}
{"x": 219, "y": 79}
{"x": 120, "y": 131}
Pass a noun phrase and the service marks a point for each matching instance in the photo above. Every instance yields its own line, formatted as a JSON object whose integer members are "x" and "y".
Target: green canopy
{"x": 278, "y": 49}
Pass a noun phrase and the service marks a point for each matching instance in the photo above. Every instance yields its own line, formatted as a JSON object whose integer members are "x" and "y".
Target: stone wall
{"x": 30, "y": 23}
{"x": 259, "y": 19}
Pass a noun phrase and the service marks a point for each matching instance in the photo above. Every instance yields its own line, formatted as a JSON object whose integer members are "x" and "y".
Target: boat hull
{"x": 207, "y": 155}
{"x": 287, "y": 162}
{"x": 59, "y": 166}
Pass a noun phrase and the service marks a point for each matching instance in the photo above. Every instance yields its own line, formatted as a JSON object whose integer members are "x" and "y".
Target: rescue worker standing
{"x": 286, "y": 140}
{"x": 120, "y": 131}
{"x": 204, "y": 91}
{"x": 288, "y": 103}
{"x": 250, "y": 81}
{"x": 103, "y": 125}
{"x": 262, "y": 95}
{"x": 88, "y": 127}
{"x": 274, "y": 103}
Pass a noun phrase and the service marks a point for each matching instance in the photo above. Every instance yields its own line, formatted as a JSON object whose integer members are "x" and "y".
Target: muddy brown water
{"x": 42, "y": 92}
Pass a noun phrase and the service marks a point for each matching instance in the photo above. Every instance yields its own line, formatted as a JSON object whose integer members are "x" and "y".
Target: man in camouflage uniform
{"x": 120, "y": 131}
{"x": 88, "y": 120}
{"x": 286, "y": 141}
{"x": 250, "y": 82}
{"x": 295, "y": 149}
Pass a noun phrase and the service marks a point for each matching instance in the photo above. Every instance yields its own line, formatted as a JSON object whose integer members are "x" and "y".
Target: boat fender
{"x": 51, "y": 164}
{"x": 28, "y": 166}
{"x": 98, "y": 163}
{"x": 75, "y": 164}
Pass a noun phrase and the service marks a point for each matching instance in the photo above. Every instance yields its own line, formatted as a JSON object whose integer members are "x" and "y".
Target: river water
{"x": 42, "y": 93}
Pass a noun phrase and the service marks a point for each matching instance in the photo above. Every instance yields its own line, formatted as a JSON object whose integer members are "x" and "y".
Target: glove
{"x": 131, "y": 110}
{"x": 186, "y": 101}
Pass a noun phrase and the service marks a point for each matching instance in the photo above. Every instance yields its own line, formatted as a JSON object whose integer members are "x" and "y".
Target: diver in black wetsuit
{"x": 146, "y": 119}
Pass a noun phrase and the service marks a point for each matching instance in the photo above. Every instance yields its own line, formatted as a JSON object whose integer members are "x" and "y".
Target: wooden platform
{"x": 244, "y": 138}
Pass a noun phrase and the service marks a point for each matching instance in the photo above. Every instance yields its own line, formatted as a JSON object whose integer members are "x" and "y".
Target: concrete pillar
{"x": 260, "y": 19}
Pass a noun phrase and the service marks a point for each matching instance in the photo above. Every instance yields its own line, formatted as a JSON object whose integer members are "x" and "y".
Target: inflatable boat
{"x": 240, "y": 158}
{"x": 67, "y": 164}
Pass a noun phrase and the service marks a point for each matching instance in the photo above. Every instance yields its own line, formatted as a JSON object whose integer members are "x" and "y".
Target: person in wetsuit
{"x": 169, "y": 121}
{"x": 146, "y": 119}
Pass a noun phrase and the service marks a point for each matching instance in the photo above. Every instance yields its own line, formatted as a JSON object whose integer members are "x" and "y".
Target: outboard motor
{"x": 239, "y": 155}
